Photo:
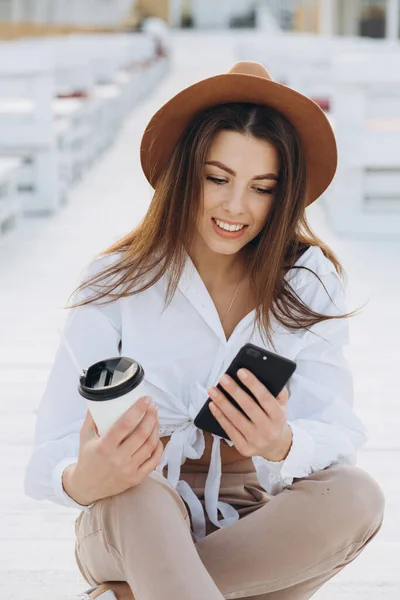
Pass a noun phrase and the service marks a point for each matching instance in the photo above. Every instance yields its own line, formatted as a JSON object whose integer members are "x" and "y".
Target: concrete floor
{"x": 39, "y": 266}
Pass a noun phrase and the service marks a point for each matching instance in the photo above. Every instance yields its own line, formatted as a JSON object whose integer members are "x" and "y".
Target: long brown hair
{"x": 159, "y": 244}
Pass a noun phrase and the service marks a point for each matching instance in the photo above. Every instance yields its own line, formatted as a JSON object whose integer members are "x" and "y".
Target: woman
{"x": 224, "y": 256}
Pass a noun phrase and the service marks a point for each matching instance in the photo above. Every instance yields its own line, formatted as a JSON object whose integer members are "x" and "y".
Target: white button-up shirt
{"x": 184, "y": 350}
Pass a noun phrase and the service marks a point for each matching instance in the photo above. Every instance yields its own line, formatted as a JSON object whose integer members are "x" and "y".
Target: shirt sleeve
{"x": 93, "y": 333}
{"x": 320, "y": 413}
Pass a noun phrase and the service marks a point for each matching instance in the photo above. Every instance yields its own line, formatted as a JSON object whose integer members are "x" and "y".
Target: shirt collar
{"x": 194, "y": 289}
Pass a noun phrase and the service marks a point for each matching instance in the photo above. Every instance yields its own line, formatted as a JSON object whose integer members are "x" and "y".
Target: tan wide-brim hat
{"x": 244, "y": 82}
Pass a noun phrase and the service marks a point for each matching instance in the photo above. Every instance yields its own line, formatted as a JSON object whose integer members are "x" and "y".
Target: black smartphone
{"x": 273, "y": 370}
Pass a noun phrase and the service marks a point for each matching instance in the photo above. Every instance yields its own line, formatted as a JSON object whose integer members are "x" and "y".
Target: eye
{"x": 263, "y": 191}
{"x": 216, "y": 180}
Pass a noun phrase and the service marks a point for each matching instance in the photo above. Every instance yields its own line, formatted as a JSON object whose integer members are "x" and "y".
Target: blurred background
{"x": 79, "y": 81}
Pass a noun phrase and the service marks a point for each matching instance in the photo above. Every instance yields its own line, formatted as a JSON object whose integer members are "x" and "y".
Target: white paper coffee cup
{"x": 110, "y": 387}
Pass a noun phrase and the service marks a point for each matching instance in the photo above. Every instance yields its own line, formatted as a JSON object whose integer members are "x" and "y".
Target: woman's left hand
{"x": 266, "y": 432}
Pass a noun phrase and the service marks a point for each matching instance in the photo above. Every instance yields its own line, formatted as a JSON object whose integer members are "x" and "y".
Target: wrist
{"x": 281, "y": 451}
{"x": 72, "y": 487}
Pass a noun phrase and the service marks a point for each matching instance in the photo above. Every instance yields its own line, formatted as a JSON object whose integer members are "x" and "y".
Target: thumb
{"x": 89, "y": 429}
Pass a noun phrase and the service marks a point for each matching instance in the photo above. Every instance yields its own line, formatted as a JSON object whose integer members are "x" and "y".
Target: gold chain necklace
{"x": 231, "y": 304}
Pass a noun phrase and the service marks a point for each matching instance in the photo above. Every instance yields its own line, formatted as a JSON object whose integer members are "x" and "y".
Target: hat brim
{"x": 313, "y": 127}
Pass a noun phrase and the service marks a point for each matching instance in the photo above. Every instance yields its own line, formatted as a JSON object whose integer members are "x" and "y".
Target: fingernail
{"x": 242, "y": 374}
{"x": 147, "y": 400}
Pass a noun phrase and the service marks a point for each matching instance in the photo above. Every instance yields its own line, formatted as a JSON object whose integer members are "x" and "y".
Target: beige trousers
{"x": 283, "y": 547}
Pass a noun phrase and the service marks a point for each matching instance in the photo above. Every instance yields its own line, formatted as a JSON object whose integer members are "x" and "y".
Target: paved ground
{"x": 39, "y": 266}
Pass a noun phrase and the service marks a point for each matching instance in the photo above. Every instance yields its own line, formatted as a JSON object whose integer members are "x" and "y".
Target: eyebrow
{"x": 216, "y": 163}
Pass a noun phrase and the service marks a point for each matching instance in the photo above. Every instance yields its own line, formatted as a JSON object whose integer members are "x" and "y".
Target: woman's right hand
{"x": 118, "y": 460}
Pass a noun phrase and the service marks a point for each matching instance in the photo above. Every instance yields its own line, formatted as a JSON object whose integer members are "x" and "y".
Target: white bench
{"x": 94, "y": 92}
{"x": 126, "y": 64}
{"x": 10, "y": 206}
{"x": 364, "y": 198}
{"x": 57, "y": 134}
{"x": 72, "y": 107}
{"x": 303, "y": 61}
{"x": 74, "y": 83}
{"x": 121, "y": 76}
{"x": 310, "y": 70}
{"x": 27, "y": 127}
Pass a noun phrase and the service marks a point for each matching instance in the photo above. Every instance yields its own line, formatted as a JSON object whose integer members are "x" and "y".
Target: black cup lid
{"x": 110, "y": 378}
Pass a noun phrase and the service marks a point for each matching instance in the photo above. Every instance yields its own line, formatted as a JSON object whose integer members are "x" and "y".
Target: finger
{"x": 152, "y": 462}
{"x": 237, "y": 437}
{"x": 252, "y": 409}
{"x": 127, "y": 423}
{"x": 283, "y": 396}
{"x": 268, "y": 402}
{"x": 151, "y": 436}
{"x": 238, "y": 419}
{"x": 141, "y": 437}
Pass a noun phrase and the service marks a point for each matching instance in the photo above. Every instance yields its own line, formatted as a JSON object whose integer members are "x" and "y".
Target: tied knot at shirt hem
{"x": 187, "y": 441}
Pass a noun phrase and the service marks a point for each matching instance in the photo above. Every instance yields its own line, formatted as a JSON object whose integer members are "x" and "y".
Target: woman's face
{"x": 239, "y": 179}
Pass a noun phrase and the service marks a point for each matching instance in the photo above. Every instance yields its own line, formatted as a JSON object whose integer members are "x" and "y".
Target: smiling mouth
{"x": 232, "y": 228}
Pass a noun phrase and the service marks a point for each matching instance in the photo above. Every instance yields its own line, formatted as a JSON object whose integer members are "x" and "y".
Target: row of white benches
{"x": 357, "y": 82}
{"x": 62, "y": 102}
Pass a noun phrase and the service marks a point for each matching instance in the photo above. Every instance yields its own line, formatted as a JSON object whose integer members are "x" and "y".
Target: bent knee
{"x": 148, "y": 495}
{"x": 358, "y": 498}
{"x": 152, "y": 484}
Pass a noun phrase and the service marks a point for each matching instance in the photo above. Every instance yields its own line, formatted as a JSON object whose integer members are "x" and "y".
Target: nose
{"x": 234, "y": 202}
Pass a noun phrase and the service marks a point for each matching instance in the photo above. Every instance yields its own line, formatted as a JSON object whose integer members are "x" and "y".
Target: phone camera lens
{"x": 252, "y": 352}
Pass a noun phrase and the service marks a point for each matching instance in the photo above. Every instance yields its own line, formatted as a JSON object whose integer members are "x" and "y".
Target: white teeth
{"x": 228, "y": 227}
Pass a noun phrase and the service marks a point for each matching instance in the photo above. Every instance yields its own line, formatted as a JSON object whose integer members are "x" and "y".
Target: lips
{"x": 228, "y": 234}
{"x": 228, "y": 225}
